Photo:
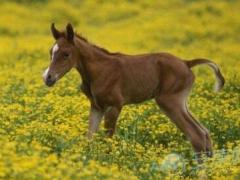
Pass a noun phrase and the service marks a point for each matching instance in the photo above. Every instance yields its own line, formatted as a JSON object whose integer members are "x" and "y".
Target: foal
{"x": 112, "y": 80}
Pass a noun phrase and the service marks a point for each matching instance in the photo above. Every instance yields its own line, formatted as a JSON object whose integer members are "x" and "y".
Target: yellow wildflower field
{"x": 43, "y": 130}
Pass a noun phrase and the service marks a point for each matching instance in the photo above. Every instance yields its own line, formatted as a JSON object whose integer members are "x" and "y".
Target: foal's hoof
{"x": 109, "y": 133}
{"x": 209, "y": 154}
{"x": 200, "y": 156}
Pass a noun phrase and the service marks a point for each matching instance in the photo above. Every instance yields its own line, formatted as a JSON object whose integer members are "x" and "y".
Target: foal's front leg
{"x": 110, "y": 117}
{"x": 94, "y": 121}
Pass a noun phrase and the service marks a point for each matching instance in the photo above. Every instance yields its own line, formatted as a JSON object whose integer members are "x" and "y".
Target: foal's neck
{"x": 91, "y": 60}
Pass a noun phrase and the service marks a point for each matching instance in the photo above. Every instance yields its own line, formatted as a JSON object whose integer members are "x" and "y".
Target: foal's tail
{"x": 219, "y": 77}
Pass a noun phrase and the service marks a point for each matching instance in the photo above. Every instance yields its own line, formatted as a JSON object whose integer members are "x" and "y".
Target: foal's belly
{"x": 139, "y": 87}
{"x": 137, "y": 99}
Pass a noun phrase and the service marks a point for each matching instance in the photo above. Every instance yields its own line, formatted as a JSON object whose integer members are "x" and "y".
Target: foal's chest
{"x": 86, "y": 89}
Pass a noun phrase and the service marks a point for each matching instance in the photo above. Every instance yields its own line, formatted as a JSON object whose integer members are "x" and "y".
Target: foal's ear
{"x": 70, "y": 32}
{"x": 56, "y": 34}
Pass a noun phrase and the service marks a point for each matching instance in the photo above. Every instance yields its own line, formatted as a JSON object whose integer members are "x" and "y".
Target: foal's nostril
{"x": 49, "y": 77}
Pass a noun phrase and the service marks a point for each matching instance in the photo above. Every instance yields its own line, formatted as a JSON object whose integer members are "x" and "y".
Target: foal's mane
{"x": 95, "y": 46}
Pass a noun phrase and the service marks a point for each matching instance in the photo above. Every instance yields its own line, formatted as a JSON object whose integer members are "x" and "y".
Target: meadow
{"x": 43, "y": 130}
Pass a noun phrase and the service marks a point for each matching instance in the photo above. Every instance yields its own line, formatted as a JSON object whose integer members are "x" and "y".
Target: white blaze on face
{"x": 45, "y": 74}
{"x": 54, "y": 50}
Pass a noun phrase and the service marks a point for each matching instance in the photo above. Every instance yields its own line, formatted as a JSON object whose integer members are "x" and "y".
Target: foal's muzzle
{"x": 50, "y": 81}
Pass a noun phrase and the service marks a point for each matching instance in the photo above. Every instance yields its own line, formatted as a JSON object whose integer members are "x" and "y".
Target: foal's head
{"x": 63, "y": 55}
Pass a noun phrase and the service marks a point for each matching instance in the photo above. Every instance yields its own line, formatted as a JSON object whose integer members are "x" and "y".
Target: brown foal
{"x": 112, "y": 80}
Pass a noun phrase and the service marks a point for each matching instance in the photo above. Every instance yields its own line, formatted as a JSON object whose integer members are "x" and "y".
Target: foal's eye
{"x": 65, "y": 55}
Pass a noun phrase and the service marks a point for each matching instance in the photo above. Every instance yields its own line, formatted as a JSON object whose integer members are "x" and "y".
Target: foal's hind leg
{"x": 175, "y": 108}
{"x": 209, "y": 151}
